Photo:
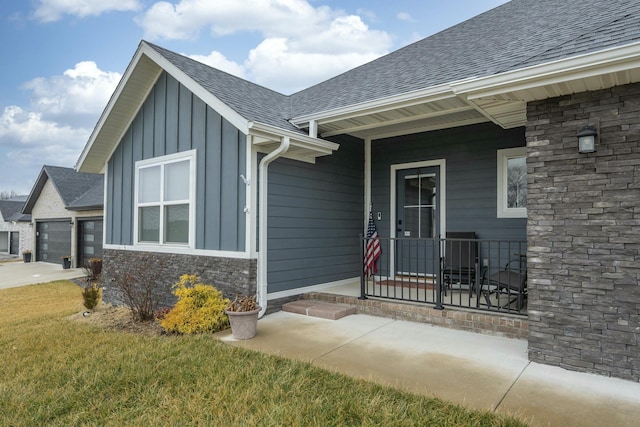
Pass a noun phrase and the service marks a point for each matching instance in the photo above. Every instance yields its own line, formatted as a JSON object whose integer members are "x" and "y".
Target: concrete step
{"x": 324, "y": 310}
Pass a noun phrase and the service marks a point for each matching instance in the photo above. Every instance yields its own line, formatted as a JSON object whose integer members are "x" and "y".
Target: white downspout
{"x": 263, "y": 171}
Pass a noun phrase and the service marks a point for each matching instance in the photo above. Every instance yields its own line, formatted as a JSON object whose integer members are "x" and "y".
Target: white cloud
{"x": 79, "y": 92}
{"x": 302, "y": 44}
{"x": 20, "y": 128}
{"x": 53, "y": 10}
{"x": 274, "y": 65}
{"x": 54, "y": 128}
{"x": 404, "y": 16}
{"x": 27, "y": 141}
{"x": 187, "y": 18}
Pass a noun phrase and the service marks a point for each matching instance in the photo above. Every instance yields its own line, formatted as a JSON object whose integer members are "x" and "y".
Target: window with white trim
{"x": 512, "y": 183}
{"x": 165, "y": 208}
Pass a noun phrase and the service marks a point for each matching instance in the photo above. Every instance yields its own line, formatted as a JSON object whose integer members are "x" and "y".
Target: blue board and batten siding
{"x": 172, "y": 119}
{"x": 315, "y": 217}
{"x": 470, "y": 153}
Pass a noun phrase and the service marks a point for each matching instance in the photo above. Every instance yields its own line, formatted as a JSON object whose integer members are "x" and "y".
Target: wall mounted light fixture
{"x": 587, "y": 139}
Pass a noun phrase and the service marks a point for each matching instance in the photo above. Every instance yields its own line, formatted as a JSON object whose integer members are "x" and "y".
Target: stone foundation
{"x": 230, "y": 275}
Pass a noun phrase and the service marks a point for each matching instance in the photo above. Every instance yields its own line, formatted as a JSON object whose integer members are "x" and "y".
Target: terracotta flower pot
{"x": 243, "y": 323}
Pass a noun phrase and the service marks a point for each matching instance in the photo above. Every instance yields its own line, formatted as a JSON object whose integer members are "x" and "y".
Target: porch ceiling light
{"x": 587, "y": 139}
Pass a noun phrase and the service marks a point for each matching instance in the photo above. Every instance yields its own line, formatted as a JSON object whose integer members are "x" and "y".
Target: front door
{"x": 417, "y": 220}
{"x": 14, "y": 244}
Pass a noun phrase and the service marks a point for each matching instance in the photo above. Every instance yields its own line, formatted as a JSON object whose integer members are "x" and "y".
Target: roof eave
{"x": 499, "y": 98}
{"x": 302, "y": 147}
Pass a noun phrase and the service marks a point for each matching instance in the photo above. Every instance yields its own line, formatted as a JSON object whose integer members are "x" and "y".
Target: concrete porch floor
{"x": 474, "y": 370}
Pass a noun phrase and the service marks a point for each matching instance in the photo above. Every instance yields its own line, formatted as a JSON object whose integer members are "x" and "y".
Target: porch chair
{"x": 510, "y": 282}
{"x": 460, "y": 261}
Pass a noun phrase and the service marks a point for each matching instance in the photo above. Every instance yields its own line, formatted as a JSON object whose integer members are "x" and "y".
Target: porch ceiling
{"x": 403, "y": 118}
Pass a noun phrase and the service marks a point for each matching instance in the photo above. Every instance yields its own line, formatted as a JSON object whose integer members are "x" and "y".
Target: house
{"x": 66, "y": 209}
{"x": 255, "y": 190}
{"x": 15, "y": 227}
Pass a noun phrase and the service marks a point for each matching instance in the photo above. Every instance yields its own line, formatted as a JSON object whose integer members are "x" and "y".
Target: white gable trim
{"x": 134, "y": 87}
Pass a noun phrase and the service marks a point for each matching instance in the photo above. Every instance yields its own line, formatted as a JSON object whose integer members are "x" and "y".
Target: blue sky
{"x": 62, "y": 59}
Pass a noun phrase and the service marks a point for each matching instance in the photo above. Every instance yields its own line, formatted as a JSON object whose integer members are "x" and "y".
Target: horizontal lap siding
{"x": 471, "y": 181}
{"x": 315, "y": 217}
{"x": 173, "y": 120}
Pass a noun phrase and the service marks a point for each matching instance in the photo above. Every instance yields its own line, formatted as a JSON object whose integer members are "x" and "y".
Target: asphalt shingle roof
{"x": 77, "y": 190}
{"x": 10, "y": 208}
{"x": 251, "y": 101}
{"x": 518, "y": 34}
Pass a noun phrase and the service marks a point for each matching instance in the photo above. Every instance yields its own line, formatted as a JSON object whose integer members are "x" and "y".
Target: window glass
{"x": 149, "y": 185}
{"x": 165, "y": 199}
{"x": 517, "y": 182}
{"x": 176, "y": 181}
{"x": 177, "y": 224}
{"x": 512, "y": 183}
{"x": 149, "y": 224}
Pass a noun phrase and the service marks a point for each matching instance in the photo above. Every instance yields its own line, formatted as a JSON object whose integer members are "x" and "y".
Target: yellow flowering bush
{"x": 200, "y": 308}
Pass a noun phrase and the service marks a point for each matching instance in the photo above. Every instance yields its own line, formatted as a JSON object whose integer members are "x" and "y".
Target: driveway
{"x": 13, "y": 274}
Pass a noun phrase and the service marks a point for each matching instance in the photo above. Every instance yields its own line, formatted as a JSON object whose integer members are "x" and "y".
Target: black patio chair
{"x": 460, "y": 261}
{"x": 510, "y": 282}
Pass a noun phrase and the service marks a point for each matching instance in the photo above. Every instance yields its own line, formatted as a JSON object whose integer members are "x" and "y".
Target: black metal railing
{"x": 456, "y": 271}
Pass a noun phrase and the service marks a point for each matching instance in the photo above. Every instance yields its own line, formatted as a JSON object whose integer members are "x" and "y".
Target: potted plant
{"x": 26, "y": 256}
{"x": 243, "y": 317}
{"x": 66, "y": 262}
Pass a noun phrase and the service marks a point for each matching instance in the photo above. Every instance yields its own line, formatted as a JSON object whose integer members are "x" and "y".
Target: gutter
{"x": 263, "y": 174}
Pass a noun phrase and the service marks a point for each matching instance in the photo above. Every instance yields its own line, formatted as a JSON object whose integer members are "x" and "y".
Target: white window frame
{"x": 162, "y": 161}
{"x": 503, "y": 157}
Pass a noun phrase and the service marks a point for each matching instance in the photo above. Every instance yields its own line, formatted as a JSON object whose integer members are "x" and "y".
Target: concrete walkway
{"x": 13, "y": 274}
{"x": 474, "y": 370}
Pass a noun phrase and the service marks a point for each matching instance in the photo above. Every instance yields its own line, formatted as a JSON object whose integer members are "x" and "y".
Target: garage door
{"x": 4, "y": 241}
{"x": 53, "y": 240}
{"x": 89, "y": 240}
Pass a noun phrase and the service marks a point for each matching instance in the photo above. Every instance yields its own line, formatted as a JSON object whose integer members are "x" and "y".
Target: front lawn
{"x": 59, "y": 372}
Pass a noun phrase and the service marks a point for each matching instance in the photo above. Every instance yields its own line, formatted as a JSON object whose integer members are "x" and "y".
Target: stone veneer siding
{"x": 584, "y": 233}
{"x": 230, "y": 275}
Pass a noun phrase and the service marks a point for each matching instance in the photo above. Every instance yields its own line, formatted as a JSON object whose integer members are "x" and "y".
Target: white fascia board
{"x": 107, "y": 110}
{"x": 577, "y": 67}
{"x": 434, "y": 93}
{"x": 299, "y": 140}
{"x": 213, "y": 101}
{"x": 163, "y": 64}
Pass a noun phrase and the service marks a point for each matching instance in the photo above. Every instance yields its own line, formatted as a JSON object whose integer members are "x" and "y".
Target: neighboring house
{"x": 15, "y": 227}
{"x": 187, "y": 149}
{"x": 66, "y": 209}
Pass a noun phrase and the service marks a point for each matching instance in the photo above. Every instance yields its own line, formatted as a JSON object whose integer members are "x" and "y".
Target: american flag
{"x": 373, "y": 250}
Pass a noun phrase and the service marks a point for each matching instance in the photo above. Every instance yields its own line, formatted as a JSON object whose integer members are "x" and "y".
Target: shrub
{"x": 92, "y": 291}
{"x": 141, "y": 288}
{"x": 91, "y": 295}
{"x": 200, "y": 308}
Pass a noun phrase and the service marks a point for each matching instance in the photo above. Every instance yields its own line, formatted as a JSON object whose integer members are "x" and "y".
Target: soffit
{"x": 501, "y": 98}
{"x": 117, "y": 119}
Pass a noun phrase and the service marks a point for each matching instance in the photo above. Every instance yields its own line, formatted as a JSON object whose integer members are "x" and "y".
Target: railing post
{"x": 362, "y": 267}
{"x": 439, "y": 305}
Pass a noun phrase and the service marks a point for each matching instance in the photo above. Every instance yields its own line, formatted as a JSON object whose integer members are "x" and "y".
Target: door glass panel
{"x": 419, "y": 206}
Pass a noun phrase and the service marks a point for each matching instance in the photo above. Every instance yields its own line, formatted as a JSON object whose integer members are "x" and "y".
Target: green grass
{"x": 57, "y": 372}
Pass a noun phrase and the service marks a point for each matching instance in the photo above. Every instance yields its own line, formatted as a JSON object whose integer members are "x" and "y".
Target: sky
{"x": 62, "y": 59}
